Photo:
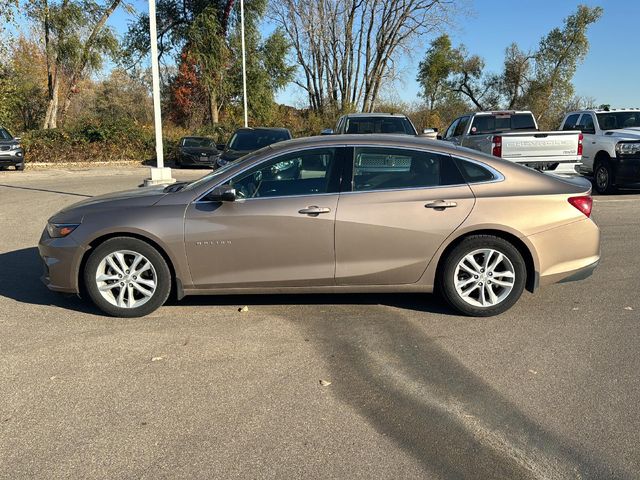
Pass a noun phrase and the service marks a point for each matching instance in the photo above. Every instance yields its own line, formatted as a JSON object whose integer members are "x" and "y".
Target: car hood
{"x": 140, "y": 197}
{"x": 625, "y": 133}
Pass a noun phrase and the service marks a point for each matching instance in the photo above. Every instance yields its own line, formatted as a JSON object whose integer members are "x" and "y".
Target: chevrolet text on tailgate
{"x": 514, "y": 136}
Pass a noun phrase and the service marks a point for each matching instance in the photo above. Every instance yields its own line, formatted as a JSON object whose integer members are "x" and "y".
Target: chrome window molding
{"x": 498, "y": 177}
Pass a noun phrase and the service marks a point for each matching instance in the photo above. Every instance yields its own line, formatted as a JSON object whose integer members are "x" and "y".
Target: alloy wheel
{"x": 484, "y": 277}
{"x": 126, "y": 279}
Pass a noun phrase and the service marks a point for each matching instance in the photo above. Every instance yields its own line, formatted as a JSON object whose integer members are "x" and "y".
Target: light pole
{"x": 159, "y": 174}
{"x": 244, "y": 66}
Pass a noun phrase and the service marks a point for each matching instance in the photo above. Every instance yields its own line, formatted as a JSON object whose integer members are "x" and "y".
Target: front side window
{"x": 586, "y": 123}
{"x": 5, "y": 135}
{"x": 308, "y": 172}
{"x": 571, "y": 122}
{"x": 461, "y": 127}
{"x": 379, "y": 168}
{"x": 452, "y": 128}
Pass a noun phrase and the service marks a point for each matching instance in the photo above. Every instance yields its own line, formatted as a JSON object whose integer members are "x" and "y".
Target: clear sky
{"x": 610, "y": 73}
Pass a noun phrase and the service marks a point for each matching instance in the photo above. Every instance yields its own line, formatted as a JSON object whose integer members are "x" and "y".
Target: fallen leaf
{"x": 325, "y": 383}
{"x": 53, "y": 378}
{"x": 575, "y": 308}
{"x": 533, "y": 371}
{"x": 157, "y": 359}
{"x": 628, "y": 308}
{"x": 244, "y": 309}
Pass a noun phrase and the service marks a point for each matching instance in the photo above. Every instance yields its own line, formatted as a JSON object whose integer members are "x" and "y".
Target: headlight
{"x": 628, "y": 148}
{"x": 59, "y": 230}
{"x": 15, "y": 147}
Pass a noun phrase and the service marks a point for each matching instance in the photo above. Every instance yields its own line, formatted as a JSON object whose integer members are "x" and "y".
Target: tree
{"x": 347, "y": 48}
{"x": 440, "y": 61}
{"x": 75, "y": 40}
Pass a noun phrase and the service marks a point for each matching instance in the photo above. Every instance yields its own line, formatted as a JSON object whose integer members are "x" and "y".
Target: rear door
{"x": 402, "y": 205}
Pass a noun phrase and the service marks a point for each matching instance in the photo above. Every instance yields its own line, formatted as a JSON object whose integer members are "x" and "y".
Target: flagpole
{"x": 244, "y": 66}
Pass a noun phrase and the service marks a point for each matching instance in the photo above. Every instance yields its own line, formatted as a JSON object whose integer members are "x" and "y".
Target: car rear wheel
{"x": 127, "y": 277}
{"x": 603, "y": 178}
{"x": 20, "y": 167}
{"x": 483, "y": 275}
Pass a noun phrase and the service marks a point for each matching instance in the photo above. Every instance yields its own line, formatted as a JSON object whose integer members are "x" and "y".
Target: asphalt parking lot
{"x": 548, "y": 390}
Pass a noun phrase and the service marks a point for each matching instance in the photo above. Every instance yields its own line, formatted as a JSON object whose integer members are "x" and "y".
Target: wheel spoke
{"x": 121, "y": 298}
{"x": 471, "y": 259}
{"x": 142, "y": 290}
{"x": 467, "y": 292}
{"x": 106, "y": 278}
{"x": 503, "y": 274}
{"x": 144, "y": 268}
{"x": 148, "y": 283}
{"x": 130, "y": 299}
{"x": 137, "y": 259}
{"x": 111, "y": 262}
{"x": 108, "y": 286}
{"x": 496, "y": 262}
{"x": 493, "y": 298}
{"x": 121, "y": 261}
{"x": 464, "y": 283}
{"x": 502, "y": 283}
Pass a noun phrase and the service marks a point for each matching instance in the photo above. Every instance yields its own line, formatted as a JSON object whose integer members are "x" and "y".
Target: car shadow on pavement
{"x": 411, "y": 390}
{"x": 419, "y": 302}
{"x": 20, "y": 281}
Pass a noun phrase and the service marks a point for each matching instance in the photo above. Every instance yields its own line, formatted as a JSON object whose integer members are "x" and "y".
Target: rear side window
{"x": 474, "y": 173}
{"x": 571, "y": 122}
{"x": 378, "y": 168}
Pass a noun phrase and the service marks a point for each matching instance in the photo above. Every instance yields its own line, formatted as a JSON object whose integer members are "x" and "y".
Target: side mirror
{"x": 17, "y": 139}
{"x": 222, "y": 194}
{"x": 220, "y": 146}
{"x": 590, "y": 131}
{"x": 327, "y": 131}
{"x": 429, "y": 132}
{"x": 439, "y": 137}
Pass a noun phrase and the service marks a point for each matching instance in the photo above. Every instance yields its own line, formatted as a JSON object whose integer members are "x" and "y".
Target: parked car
{"x": 611, "y": 152}
{"x": 11, "y": 152}
{"x": 477, "y": 228}
{"x": 197, "y": 151}
{"x": 247, "y": 140}
{"x": 367, "y": 123}
{"x": 514, "y": 136}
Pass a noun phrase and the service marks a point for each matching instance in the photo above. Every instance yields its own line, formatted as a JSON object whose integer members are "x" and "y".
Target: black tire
{"x": 20, "y": 168}
{"x": 162, "y": 277}
{"x": 603, "y": 178}
{"x": 446, "y": 280}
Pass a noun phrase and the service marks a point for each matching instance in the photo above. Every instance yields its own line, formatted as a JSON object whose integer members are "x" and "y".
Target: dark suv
{"x": 247, "y": 140}
{"x": 11, "y": 152}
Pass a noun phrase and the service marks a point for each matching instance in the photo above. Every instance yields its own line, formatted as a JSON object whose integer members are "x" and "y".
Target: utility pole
{"x": 159, "y": 174}
{"x": 244, "y": 66}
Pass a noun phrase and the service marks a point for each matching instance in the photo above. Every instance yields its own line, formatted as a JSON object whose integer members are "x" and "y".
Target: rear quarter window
{"x": 473, "y": 172}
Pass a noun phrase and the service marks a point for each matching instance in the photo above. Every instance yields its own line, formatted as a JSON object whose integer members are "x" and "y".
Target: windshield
{"x": 5, "y": 135}
{"x": 195, "y": 142}
{"x": 254, "y": 139}
{"x": 497, "y": 123}
{"x": 615, "y": 120}
{"x": 379, "y": 125}
{"x": 222, "y": 170}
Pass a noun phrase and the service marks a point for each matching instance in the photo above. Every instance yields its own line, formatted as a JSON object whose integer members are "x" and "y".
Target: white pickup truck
{"x": 611, "y": 152}
{"x": 514, "y": 136}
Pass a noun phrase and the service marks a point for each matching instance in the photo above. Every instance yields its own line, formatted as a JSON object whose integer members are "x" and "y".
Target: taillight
{"x": 584, "y": 204}
{"x": 496, "y": 146}
{"x": 580, "y": 139}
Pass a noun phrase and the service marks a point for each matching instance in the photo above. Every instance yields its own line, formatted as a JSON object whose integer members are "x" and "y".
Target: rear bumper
{"x": 567, "y": 253}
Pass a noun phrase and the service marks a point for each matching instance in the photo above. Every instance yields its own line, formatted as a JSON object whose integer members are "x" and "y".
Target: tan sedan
{"x": 330, "y": 214}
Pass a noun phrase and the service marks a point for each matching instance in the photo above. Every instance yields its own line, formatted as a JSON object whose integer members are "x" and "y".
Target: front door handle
{"x": 314, "y": 210}
{"x": 441, "y": 204}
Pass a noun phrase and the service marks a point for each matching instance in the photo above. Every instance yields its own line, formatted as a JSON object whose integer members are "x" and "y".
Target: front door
{"x": 280, "y": 230}
{"x": 403, "y": 205}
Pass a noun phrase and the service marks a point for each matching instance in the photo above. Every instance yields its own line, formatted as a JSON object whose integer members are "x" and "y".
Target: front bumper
{"x": 61, "y": 259}
{"x": 626, "y": 170}
{"x": 209, "y": 161}
{"x": 11, "y": 158}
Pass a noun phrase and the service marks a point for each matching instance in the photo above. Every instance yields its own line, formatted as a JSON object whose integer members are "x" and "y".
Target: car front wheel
{"x": 603, "y": 178}
{"x": 483, "y": 275}
{"x": 127, "y": 277}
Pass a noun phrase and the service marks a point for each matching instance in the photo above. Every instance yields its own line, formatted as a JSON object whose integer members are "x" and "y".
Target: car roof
{"x": 374, "y": 114}
{"x": 603, "y": 110}
{"x": 251, "y": 129}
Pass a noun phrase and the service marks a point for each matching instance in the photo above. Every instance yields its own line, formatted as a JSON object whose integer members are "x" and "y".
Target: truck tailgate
{"x": 555, "y": 146}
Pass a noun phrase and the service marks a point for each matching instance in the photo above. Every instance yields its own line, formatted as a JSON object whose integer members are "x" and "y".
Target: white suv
{"x": 611, "y": 146}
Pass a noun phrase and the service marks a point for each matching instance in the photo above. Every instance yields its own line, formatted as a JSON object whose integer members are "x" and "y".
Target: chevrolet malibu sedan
{"x": 349, "y": 213}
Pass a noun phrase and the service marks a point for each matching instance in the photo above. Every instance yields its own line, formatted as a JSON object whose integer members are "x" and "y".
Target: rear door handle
{"x": 314, "y": 210}
{"x": 441, "y": 204}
